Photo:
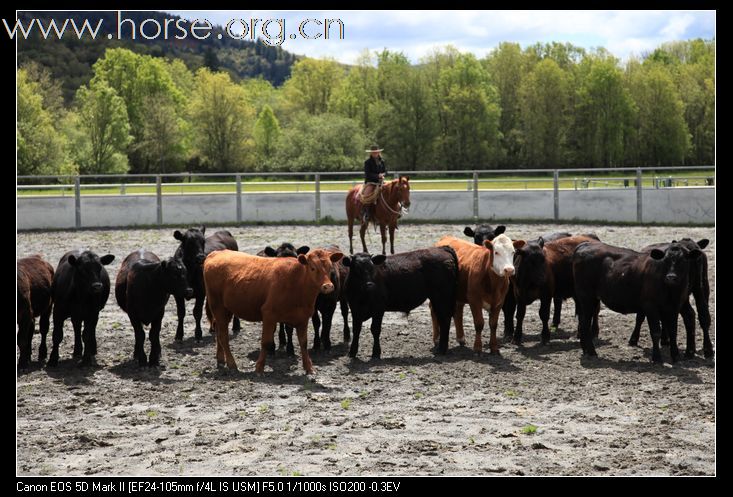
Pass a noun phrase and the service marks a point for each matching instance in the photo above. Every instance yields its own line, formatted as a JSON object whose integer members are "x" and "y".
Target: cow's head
{"x": 89, "y": 269}
{"x": 175, "y": 278}
{"x": 318, "y": 264}
{"x": 529, "y": 264}
{"x": 483, "y": 232}
{"x": 362, "y": 268}
{"x": 192, "y": 245}
{"x": 502, "y": 254}
{"x": 675, "y": 262}
{"x": 285, "y": 250}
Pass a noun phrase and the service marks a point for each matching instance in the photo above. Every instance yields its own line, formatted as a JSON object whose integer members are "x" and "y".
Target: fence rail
{"x": 244, "y": 188}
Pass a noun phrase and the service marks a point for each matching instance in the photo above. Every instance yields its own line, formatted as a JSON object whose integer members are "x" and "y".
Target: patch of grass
{"x": 331, "y": 446}
{"x": 664, "y": 407}
{"x": 174, "y": 366}
{"x": 511, "y": 394}
{"x": 297, "y": 473}
{"x": 529, "y": 429}
{"x": 363, "y": 394}
{"x": 471, "y": 440}
{"x": 242, "y": 414}
{"x": 346, "y": 403}
{"x": 151, "y": 413}
{"x": 419, "y": 395}
{"x": 195, "y": 373}
{"x": 402, "y": 376}
{"x": 412, "y": 371}
{"x": 263, "y": 408}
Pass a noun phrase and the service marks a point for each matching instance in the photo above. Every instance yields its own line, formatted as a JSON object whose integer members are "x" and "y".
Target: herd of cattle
{"x": 288, "y": 287}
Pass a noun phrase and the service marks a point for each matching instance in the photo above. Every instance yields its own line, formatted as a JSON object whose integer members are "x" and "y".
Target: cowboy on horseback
{"x": 374, "y": 171}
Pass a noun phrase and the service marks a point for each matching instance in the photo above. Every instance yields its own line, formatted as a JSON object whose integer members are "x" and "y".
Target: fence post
{"x": 475, "y": 197}
{"x": 239, "y": 198}
{"x": 638, "y": 195}
{"x": 556, "y": 193}
{"x": 159, "y": 199}
{"x": 77, "y": 202}
{"x": 318, "y": 198}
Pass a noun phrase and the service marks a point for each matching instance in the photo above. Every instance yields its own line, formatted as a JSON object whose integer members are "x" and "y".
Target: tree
{"x": 104, "y": 118}
{"x": 356, "y": 92}
{"x": 603, "y": 114}
{"x": 544, "y": 110}
{"x": 259, "y": 93}
{"x": 163, "y": 144}
{"x": 222, "y": 121}
{"x": 41, "y": 148}
{"x": 310, "y": 85}
{"x": 266, "y": 133}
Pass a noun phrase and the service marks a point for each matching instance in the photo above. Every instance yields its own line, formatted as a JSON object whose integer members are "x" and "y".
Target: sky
{"x": 417, "y": 33}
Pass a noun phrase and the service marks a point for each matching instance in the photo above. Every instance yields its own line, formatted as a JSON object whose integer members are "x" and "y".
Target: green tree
{"x": 544, "y": 109}
{"x": 104, "y": 118}
{"x": 41, "y": 148}
{"x": 311, "y": 84}
{"x": 164, "y": 142}
{"x": 356, "y": 93}
{"x": 603, "y": 114}
{"x": 222, "y": 121}
{"x": 266, "y": 133}
{"x": 260, "y": 92}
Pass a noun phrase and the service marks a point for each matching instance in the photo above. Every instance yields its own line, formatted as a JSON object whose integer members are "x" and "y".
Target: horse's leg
{"x": 383, "y": 232}
{"x": 351, "y": 231}
{"x": 392, "y": 227}
{"x": 362, "y": 232}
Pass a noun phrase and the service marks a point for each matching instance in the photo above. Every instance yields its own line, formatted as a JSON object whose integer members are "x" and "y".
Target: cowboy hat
{"x": 374, "y": 148}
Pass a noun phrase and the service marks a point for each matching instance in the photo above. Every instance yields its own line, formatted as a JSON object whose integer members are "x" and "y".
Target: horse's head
{"x": 403, "y": 190}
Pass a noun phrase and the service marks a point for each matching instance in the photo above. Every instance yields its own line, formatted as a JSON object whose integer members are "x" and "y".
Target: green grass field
{"x": 609, "y": 180}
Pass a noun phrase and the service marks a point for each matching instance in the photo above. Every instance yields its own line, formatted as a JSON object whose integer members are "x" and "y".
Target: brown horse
{"x": 395, "y": 194}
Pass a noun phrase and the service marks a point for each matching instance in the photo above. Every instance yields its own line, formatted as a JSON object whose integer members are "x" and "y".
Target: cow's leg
{"x": 25, "y": 336}
{"x": 518, "y": 331}
{"x": 703, "y": 315}
{"x": 139, "y": 351}
{"x": 155, "y": 342}
{"x": 594, "y": 322}
{"x": 316, "y": 319}
{"x": 289, "y": 349}
{"x": 181, "y": 310}
{"x": 282, "y": 340}
{"x": 383, "y": 233}
{"x": 376, "y": 331}
{"x": 78, "y": 346}
{"x": 634, "y": 338}
{"x": 688, "y": 318}
{"x": 669, "y": 327}
{"x": 43, "y": 326}
{"x": 392, "y": 227}
{"x": 436, "y": 327}
{"x": 458, "y": 321}
{"x": 585, "y": 316}
{"x": 197, "y": 314}
{"x": 350, "y": 222}
{"x": 656, "y": 332}
{"x": 509, "y": 307}
{"x": 493, "y": 325}
{"x": 57, "y": 337}
{"x": 545, "y": 318}
{"x": 442, "y": 312}
{"x": 302, "y": 332}
{"x": 354, "y": 349}
{"x": 345, "y": 315}
{"x": 327, "y": 314}
{"x": 557, "y": 311}
{"x": 236, "y": 326}
{"x": 362, "y": 233}
{"x": 90, "y": 325}
{"x": 268, "y": 336}
{"x": 478, "y": 324}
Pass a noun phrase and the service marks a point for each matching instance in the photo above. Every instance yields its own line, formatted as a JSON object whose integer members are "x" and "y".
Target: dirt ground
{"x": 411, "y": 413}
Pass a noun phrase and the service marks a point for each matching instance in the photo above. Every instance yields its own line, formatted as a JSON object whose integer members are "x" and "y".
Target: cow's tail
{"x": 207, "y": 307}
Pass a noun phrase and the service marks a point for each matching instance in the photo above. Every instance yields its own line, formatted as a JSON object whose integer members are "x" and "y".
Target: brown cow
{"x": 270, "y": 290}
{"x": 35, "y": 277}
{"x": 483, "y": 281}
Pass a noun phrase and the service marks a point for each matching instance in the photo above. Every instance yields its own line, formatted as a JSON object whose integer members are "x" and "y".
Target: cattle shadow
{"x": 278, "y": 376}
{"x": 131, "y": 370}
{"x": 190, "y": 346}
{"x": 678, "y": 369}
{"x": 71, "y": 373}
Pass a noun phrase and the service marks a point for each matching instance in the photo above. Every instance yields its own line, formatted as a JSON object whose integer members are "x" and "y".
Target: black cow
{"x": 400, "y": 283}
{"x": 35, "y": 278}
{"x": 627, "y": 281}
{"x": 483, "y": 232}
{"x": 699, "y": 287}
{"x": 193, "y": 251}
{"x": 285, "y": 334}
{"x": 326, "y": 305}
{"x": 143, "y": 286}
{"x": 80, "y": 290}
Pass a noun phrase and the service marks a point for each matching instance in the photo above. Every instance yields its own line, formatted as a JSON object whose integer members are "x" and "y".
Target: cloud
{"x": 417, "y": 33}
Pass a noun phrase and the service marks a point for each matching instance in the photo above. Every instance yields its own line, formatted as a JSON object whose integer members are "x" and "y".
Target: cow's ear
{"x": 488, "y": 244}
{"x": 379, "y": 259}
{"x": 541, "y": 241}
{"x": 303, "y": 250}
{"x": 703, "y": 243}
{"x": 336, "y": 256}
{"x": 203, "y": 229}
{"x": 163, "y": 264}
{"x": 178, "y": 235}
{"x": 106, "y": 259}
{"x": 499, "y": 230}
{"x": 72, "y": 260}
{"x": 468, "y": 231}
{"x": 694, "y": 254}
{"x": 521, "y": 243}
{"x": 346, "y": 261}
{"x": 302, "y": 259}
{"x": 657, "y": 254}
{"x": 270, "y": 252}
